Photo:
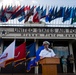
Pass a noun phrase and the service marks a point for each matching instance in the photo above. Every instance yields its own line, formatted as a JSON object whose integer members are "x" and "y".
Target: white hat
{"x": 46, "y": 42}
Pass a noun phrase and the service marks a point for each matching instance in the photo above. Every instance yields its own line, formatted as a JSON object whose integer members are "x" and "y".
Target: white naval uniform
{"x": 45, "y": 53}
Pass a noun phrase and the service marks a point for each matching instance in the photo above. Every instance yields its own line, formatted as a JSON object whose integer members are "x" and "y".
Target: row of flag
{"x": 37, "y": 13}
{"x": 20, "y": 54}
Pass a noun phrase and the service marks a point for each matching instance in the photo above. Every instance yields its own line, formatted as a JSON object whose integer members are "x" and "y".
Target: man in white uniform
{"x": 46, "y": 52}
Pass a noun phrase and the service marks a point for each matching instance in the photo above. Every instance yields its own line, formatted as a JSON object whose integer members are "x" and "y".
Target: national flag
{"x": 8, "y": 54}
{"x": 43, "y": 14}
{"x": 20, "y": 54}
{"x": 29, "y": 13}
{"x": 10, "y": 11}
{"x": 33, "y": 61}
{"x": 4, "y": 10}
{"x": 67, "y": 14}
{"x": 46, "y": 18}
{"x": 63, "y": 12}
{"x": 73, "y": 16}
{"x": 15, "y": 9}
{"x": 40, "y": 12}
{"x": 31, "y": 51}
{"x": 58, "y": 13}
{"x": 27, "y": 8}
{"x": 1, "y": 10}
{"x": 0, "y": 13}
{"x": 36, "y": 15}
{"x": 56, "y": 9}
{"x": 2, "y": 16}
{"x": 51, "y": 15}
{"x": 18, "y": 13}
{"x": 38, "y": 8}
{"x": 36, "y": 18}
{"x": 21, "y": 18}
{"x": 8, "y": 15}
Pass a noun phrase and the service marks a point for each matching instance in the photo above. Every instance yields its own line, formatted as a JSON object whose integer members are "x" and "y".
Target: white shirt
{"x": 45, "y": 53}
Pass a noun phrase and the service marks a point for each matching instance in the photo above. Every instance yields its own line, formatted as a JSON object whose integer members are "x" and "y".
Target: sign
{"x": 39, "y": 32}
{"x": 45, "y": 30}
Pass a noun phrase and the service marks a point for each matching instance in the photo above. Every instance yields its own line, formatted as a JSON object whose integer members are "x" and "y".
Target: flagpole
{"x": 25, "y": 62}
{"x": 25, "y": 67}
{"x": 36, "y": 68}
{"x": 13, "y": 61}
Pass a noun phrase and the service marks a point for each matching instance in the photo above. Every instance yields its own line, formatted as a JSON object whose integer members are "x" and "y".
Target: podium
{"x": 49, "y": 65}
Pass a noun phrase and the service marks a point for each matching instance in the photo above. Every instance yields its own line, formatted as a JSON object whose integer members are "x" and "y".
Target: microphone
{"x": 48, "y": 49}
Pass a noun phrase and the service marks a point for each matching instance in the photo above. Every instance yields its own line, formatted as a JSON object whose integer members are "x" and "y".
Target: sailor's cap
{"x": 46, "y": 42}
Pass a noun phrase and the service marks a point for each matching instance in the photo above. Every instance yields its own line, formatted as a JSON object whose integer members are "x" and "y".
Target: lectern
{"x": 49, "y": 65}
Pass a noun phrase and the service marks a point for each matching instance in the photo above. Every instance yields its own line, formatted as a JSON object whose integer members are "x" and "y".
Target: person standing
{"x": 46, "y": 52}
{"x": 64, "y": 63}
{"x": 61, "y": 65}
{"x": 68, "y": 64}
{"x": 71, "y": 63}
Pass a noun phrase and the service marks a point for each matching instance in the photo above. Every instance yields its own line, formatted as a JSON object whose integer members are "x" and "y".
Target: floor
{"x": 38, "y": 74}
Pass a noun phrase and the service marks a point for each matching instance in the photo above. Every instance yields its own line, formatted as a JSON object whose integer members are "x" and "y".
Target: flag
{"x": 67, "y": 14}
{"x": 31, "y": 64}
{"x": 27, "y": 8}
{"x": 8, "y": 54}
{"x": 24, "y": 16}
{"x": 58, "y": 13}
{"x": 10, "y": 11}
{"x": 18, "y": 13}
{"x": 38, "y": 8}
{"x": 4, "y": 10}
{"x": 20, "y": 54}
{"x": 40, "y": 12}
{"x": 36, "y": 15}
{"x": 51, "y": 15}
{"x": 14, "y": 10}
{"x": 8, "y": 15}
{"x": 38, "y": 52}
{"x": 73, "y": 16}
{"x": 21, "y": 18}
{"x": 33, "y": 61}
{"x": 46, "y": 18}
{"x": 1, "y": 10}
{"x": 63, "y": 12}
{"x": 43, "y": 14}
{"x": 56, "y": 9}
{"x": 29, "y": 13}
{"x": 31, "y": 51}
{"x": 3, "y": 17}
{"x": 36, "y": 18}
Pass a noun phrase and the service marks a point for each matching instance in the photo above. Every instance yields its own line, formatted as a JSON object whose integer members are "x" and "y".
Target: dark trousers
{"x": 70, "y": 68}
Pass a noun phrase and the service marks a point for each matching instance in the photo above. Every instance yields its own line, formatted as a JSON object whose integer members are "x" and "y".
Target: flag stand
{"x": 25, "y": 68}
{"x": 12, "y": 67}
